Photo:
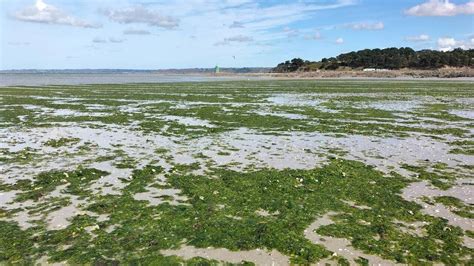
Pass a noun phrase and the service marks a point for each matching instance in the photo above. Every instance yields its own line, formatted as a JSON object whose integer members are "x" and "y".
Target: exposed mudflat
{"x": 267, "y": 172}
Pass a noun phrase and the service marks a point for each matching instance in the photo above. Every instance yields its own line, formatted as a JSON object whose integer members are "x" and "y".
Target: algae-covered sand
{"x": 263, "y": 172}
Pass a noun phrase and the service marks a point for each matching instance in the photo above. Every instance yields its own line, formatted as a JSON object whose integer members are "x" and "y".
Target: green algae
{"x": 237, "y": 106}
{"x": 297, "y": 197}
{"x": 75, "y": 183}
{"x": 22, "y": 156}
{"x": 16, "y": 245}
{"x": 56, "y": 143}
{"x": 438, "y": 178}
{"x": 463, "y": 147}
{"x": 457, "y": 206}
{"x": 222, "y": 205}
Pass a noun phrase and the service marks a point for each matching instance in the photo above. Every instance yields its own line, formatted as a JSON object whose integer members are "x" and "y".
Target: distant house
{"x": 217, "y": 70}
{"x": 375, "y": 70}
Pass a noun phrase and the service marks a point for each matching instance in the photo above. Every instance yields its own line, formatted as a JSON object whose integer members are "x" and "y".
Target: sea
{"x": 42, "y": 79}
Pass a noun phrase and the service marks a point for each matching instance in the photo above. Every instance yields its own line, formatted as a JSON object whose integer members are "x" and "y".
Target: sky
{"x": 161, "y": 34}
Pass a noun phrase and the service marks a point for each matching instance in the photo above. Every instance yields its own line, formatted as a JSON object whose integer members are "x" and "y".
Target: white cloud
{"x": 366, "y": 26}
{"x": 419, "y": 38}
{"x": 441, "y": 8}
{"x": 136, "y": 32}
{"x": 446, "y": 42}
{"x": 140, "y": 14}
{"x": 48, "y": 14}
{"x": 339, "y": 41}
{"x": 235, "y": 39}
{"x": 449, "y": 43}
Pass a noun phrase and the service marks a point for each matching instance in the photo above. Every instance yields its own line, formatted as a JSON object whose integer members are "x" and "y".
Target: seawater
{"x": 39, "y": 79}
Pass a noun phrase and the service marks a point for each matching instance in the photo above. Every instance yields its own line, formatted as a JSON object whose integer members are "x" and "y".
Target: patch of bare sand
{"x": 257, "y": 256}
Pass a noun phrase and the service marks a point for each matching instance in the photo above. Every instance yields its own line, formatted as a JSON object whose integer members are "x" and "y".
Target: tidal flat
{"x": 338, "y": 172}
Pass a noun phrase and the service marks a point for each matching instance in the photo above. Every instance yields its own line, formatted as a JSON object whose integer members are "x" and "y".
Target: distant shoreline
{"x": 362, "y": 78}
{"x": 46, "y": 79}
{"x": 446, "y": 72}
{"x": 442, "y": 73}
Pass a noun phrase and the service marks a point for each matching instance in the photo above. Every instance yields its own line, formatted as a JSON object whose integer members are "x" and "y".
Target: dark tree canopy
{"x": 389, "y": 58}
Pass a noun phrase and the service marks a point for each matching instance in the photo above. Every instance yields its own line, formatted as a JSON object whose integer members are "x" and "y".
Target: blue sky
{"x": 153, "y": 34}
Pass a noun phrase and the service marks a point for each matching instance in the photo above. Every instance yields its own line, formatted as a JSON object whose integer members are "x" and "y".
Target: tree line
{"x": 390, "y": 58}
